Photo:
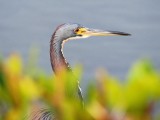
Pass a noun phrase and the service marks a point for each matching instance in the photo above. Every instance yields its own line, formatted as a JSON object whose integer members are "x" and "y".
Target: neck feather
{"x": 58, "y": 61}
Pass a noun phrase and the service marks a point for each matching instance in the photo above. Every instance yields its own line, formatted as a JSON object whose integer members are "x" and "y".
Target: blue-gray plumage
{"x": 63, "y": 33}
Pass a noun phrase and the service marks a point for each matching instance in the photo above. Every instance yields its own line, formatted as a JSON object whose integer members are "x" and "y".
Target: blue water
{"x": 26, "y": 24}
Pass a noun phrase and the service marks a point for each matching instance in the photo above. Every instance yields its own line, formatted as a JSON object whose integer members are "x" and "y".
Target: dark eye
{"x": 76, "y": 30}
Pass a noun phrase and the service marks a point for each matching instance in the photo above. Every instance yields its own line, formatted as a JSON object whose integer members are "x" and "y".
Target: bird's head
{"x": 75, "y": 31}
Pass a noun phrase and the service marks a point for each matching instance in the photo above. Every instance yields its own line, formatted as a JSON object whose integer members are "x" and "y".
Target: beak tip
{"x": 121, "y": 33}
{"x": 127, "y": 34}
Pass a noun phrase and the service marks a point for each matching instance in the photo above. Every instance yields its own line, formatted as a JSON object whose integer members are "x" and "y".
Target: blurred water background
{"x": 26, "y": 24}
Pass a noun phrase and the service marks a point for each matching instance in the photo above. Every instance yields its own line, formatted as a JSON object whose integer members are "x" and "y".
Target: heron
{"x": 63, "y": 33}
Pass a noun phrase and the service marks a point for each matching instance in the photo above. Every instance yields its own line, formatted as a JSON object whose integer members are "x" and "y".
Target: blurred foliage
{"x": 108, "y": 99}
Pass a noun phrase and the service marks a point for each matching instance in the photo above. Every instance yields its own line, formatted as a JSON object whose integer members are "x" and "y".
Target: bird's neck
{"x": 58, "y": 61}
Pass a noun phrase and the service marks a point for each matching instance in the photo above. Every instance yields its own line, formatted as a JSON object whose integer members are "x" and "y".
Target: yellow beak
{"x": 95, "y": 32}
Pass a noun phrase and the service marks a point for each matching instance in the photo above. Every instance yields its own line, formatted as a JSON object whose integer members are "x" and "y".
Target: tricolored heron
{"x": 66, "y": 32}
{"x": 62, "y": 34}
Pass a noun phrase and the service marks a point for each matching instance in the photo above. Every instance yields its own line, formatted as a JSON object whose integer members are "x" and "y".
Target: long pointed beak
{"x": 96, "y": 32}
